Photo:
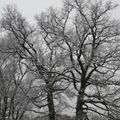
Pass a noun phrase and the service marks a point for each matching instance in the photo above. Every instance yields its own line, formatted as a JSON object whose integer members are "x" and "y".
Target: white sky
{"x": 29, "y": 8}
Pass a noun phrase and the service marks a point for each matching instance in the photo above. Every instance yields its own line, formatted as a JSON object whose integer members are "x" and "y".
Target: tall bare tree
{"x": 38, "y": 56}
{"x": 78, "y": 44}
{"x": 90, "y": 38}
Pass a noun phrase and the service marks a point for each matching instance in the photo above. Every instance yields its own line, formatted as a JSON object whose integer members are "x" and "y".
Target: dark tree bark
{"x": 51, "y": 107}
{"x": 49, "y": 91}
{"x": 79, "y": 105}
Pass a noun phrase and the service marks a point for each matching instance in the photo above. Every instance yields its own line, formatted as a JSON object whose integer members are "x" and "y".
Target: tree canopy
{"x": 73, "y": 55}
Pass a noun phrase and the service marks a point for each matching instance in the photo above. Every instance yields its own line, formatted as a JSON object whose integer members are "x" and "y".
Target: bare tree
{"x": 13, "y": 102}
{"x": 90, "y": 39}
{"x": 78, "y": 45}
{"x": 45, "y": 63}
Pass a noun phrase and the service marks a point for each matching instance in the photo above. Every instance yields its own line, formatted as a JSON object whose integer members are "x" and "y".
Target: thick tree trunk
{"x": 51, "y": 105}
{"x": 51, "y": 108}
{"x": 79, "y": 106}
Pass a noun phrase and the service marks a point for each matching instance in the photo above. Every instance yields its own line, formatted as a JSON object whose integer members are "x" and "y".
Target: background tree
{"x": 13, "y": 102}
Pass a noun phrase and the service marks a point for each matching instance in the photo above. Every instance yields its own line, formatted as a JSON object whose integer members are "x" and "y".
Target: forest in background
{"x": 67, "y": 66}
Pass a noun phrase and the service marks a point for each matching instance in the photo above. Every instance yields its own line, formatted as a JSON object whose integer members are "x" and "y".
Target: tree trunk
{"x": 50, "y": 101}
{"x": 51, "y": 105}
{"x": 79, "y": 106}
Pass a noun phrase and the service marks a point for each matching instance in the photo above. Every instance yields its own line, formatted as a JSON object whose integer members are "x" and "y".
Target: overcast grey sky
{"x": 31, "y": 7}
